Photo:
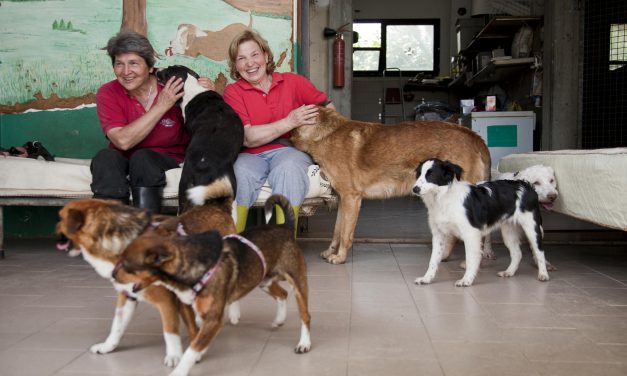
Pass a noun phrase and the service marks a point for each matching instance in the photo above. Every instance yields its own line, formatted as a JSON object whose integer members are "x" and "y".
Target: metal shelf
{"x": 498, "y": 70}
{"x": 499, "y": 30}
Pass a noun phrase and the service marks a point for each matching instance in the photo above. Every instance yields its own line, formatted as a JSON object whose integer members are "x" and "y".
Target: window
{"x": 409, "y": 45}
{"x": 618, "y": 46}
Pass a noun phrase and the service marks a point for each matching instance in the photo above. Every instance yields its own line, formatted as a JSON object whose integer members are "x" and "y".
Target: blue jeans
{"x": 285, "y": 169}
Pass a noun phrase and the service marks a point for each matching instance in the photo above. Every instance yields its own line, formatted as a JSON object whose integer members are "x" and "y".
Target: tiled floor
{"x": 368, "y": 317}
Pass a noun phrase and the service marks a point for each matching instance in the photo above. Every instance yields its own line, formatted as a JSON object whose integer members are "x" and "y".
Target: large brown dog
{"x": 369, "y": 160}
{"x": 101, "y": 230}
{"x": 209, "y": 272}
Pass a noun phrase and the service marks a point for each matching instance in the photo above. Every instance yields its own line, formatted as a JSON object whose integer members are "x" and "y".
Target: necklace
{"x": 147, "y": 103}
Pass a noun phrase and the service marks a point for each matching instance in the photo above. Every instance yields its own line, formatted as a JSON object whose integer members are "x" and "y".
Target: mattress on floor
{"x": 592, "y": 184}
{"x": 71, "y": 178}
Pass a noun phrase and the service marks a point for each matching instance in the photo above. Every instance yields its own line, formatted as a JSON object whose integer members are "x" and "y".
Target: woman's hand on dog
{"x": 172, "y": 92}
{"x": 303, "y": 115}
{"x": 207, "y": 83}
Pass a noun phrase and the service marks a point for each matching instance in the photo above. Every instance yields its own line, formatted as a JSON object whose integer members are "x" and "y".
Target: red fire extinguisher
{"x": 338, "y": 61}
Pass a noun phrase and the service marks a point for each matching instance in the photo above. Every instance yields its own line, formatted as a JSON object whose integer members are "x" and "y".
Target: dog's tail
{"x": 284, "y": 204}
{"x": 218, "y": 189}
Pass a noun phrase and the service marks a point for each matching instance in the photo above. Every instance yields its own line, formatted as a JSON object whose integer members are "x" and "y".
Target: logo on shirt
{"x": 167, "y": 123}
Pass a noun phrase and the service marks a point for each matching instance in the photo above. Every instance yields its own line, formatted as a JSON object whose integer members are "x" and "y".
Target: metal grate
{"x": 604, "y": 98}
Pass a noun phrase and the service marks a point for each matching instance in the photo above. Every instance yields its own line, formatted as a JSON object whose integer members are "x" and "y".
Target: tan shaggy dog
{"x": 101, "y": 229}
{"x": 376, "y": 161}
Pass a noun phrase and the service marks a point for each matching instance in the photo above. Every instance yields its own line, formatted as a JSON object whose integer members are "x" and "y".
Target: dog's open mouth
{"x": 548, "y": 206}
{"x": 65, "y": 245}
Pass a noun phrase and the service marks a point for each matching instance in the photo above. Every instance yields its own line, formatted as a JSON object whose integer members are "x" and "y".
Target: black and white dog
{"x": 460, "y": 210}
{"x": 217, "y": 135}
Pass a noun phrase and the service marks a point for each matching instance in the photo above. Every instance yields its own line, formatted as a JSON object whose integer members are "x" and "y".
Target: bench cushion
{"x": 71, "y": 178}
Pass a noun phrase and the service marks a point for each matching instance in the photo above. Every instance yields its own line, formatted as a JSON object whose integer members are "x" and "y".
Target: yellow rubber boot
{"x": 242, "y": 217}
{"x": 296, "y": 209}
{"x": 280, "y": 216}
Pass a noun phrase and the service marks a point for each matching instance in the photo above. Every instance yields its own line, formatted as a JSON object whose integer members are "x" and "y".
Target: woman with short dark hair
{"x": 144, "y": 127}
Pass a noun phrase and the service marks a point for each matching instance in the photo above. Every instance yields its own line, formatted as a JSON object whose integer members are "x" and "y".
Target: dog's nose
{"x": 416, "y": 190}
{"x": 552, "y": 196}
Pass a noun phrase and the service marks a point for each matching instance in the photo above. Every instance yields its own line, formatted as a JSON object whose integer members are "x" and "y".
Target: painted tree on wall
{"x": 134, "y": 16}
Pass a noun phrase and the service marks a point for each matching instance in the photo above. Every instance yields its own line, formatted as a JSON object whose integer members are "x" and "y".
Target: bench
{"x": 31, "y": 182}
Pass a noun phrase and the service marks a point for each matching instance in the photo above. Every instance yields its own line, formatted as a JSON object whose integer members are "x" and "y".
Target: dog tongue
{"x": 548, "y": 206}
{"x": 63, "y": 246}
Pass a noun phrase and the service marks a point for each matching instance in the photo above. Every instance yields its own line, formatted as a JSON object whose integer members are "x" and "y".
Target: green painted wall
{"x": 65, "y": 133}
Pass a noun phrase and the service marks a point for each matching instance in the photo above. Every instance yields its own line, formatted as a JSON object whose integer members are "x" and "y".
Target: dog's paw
{"x": 336, "y": 259}
{"x": 464, "y": 282}
{"x": 326, "y": 254}
{"x": 543, "y": 277}
{"x": 302, "y": 348}
{"x": 422, "y": 281}
{"x": 171, "y": 360}
{"x": 234, "y": 313}
{"x": 276, "y": 324}
{"x": 489, "y": 255}
{"x": 505, "y": 273}
{"x": 102, "y": 348}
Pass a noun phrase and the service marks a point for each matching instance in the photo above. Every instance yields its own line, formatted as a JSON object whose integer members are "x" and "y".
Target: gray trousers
{"x": 284, "y": 168}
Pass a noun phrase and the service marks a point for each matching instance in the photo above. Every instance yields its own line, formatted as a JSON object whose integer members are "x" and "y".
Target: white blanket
{"x": 592, "y": 184}
{"x": 71, "y": 178}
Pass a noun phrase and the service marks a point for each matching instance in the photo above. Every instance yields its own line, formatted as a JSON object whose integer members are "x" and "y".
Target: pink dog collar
{"x": 252, "y": 246}
{"x": 209, "y": 273}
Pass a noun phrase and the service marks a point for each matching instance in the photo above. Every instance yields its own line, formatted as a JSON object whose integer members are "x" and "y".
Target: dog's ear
{"x": 160, "y": 74}
{"x": 157, "y": 255}
{"x": 454, "y": 169}
{"x": 190, "y": 71}
{"x": 74, "y": 221}
{"x": 212, "y": 240}
{"x": 324, "y": 103}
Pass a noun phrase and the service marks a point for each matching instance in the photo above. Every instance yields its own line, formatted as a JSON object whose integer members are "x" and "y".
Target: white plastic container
{"x": 505, "y": 132}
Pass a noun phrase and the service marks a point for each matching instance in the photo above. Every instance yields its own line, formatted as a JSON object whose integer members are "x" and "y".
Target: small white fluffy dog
{"x": 460, "y": 210}
{"x": 542, "y": 178}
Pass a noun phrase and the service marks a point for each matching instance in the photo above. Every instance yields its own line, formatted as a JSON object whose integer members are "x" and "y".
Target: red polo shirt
{"x": 117, "y": 108}
{"x": 287, "y": 92}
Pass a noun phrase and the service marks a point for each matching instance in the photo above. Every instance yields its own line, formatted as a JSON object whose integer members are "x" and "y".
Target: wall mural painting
{"x": 52, "y": 52}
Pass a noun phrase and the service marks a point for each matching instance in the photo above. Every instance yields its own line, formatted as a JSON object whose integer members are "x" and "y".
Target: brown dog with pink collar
{"x": 209, "y": 272}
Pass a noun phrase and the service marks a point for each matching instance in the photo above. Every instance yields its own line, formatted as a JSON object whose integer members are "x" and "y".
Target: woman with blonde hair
{"x": 270, "y": 104}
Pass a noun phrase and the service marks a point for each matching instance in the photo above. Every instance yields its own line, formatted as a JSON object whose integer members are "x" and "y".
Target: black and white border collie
{"x": 217, "y": 135}
{"x": 460, "y": 210}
